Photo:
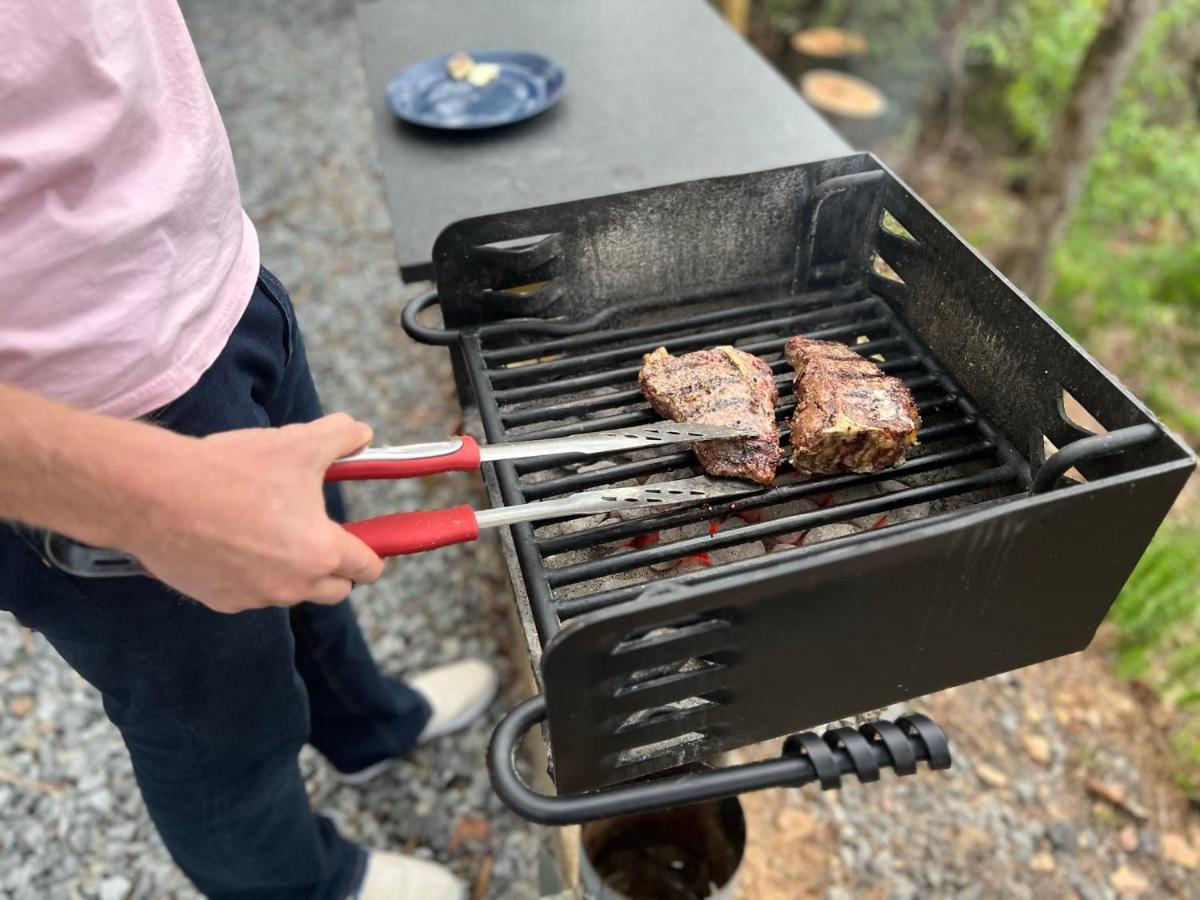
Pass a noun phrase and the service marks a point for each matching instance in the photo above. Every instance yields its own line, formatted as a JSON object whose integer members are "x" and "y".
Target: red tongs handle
{"x": 415, "y": 532}
{"x": 464, "y": 459}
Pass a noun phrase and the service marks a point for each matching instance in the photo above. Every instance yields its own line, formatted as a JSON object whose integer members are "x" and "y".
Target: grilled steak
{"x": 722, "y": 386}
{"x": 849, "y": 417}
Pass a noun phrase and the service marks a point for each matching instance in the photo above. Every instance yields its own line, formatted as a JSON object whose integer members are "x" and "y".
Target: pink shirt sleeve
{"x": 127, "y": 257}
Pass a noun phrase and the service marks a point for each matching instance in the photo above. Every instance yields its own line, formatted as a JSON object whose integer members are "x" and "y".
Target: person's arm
{"x": 236, "y": 520}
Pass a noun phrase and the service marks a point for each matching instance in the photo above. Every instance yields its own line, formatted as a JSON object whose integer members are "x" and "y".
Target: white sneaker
{"x": 457, "y": 693}
{"x": 393, "y": 876}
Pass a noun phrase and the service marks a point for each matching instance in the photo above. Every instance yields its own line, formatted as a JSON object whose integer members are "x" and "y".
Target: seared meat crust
{"x": 850, "y": 417}
{"x": 721, "y": 386}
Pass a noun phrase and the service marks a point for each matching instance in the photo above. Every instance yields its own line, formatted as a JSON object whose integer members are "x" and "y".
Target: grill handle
{"x": 1090, "y": 448}
{"x": 806, "y": 758}
{"x": 423, "y": 333}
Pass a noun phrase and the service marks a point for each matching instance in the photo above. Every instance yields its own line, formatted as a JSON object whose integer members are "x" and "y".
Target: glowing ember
{"x": 642, "y": 541}
{"x": 691, "y": 563}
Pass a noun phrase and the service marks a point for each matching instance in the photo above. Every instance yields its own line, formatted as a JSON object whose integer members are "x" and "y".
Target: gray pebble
{"x": 1086, "y": 890}
{"x": 1026, "y": 790}
{"x": 1063, "y": 836}
{"x": 101, "y": 800}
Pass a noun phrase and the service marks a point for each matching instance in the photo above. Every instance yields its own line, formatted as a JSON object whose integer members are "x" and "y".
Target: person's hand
{"x": 242, "y": 523}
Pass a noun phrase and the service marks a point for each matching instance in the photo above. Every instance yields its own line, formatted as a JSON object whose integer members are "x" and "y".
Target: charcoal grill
{"x": 659, "y": 641}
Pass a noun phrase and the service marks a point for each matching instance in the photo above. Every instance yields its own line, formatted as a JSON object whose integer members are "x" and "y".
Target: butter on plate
{"x": 463, "y": 68}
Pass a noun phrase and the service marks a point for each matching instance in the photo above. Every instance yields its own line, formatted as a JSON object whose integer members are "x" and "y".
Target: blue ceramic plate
{"x": 425, "y": 94}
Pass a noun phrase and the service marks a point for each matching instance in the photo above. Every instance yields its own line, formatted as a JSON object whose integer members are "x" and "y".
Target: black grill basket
{"x": 662, "y": 640}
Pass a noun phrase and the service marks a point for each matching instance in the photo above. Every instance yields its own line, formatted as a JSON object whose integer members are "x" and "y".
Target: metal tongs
{"x": 402, "y": 533}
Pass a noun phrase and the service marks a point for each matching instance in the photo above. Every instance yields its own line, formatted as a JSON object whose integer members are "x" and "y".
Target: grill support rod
{"x": 806, "y": 758}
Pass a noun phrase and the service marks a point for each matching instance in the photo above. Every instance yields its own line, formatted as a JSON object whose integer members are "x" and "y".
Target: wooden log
{"x": 842, "y": 95}
{"x": 853, "y": 106}
{"x": 826, "y": 43}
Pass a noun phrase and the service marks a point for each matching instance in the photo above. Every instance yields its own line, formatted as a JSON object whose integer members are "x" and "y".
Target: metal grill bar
{"x": 568, "y": 608}
{"x": 623, "y": 562}
{"x": 622, "y": 376}
{"x": 663, "y": 462}
{"x": 502, "y": 329}
{"x": 618, "y": 399}
{"x": 646, "y": 415}
{"x": 729, "y": 314}
{"x": 629, "y": 528}
{"x": 606, "y": 358}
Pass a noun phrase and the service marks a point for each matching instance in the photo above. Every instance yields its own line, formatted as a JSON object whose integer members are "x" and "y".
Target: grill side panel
{"x": 794, "y": 645}
{"x": 742, "y": 233}
{"x": 1006, "y": 353}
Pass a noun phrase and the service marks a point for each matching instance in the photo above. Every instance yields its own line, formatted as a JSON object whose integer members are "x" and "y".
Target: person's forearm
{"x": 236, "y": 520}
{"x": 84, "y": 475}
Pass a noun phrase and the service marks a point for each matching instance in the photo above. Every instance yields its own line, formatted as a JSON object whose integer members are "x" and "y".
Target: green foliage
{"x": 1159, "y": 609}
{"x": 1038, "y": 44}
{"x": 1130, "y": 259}
{"x": 1134, "y": 242}
{"x": 1158, "y": 617}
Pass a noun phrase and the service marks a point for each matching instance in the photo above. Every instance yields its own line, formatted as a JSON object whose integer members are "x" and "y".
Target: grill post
{"x": 704, "y": 842}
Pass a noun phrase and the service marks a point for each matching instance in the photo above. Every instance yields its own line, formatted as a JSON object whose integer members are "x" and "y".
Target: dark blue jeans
{"x": 215, "y": 708}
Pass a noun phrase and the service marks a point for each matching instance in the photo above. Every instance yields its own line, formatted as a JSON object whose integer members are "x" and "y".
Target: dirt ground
{"x": 1062, "y": 786}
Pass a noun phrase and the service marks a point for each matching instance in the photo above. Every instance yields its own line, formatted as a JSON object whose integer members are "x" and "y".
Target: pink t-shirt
{"x": 125, "y": 257}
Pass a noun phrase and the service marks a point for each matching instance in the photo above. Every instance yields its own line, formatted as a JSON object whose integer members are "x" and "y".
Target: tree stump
{"x": 853, "y": 106}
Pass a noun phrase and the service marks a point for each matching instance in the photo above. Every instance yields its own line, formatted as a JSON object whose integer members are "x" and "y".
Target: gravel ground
{"x": 1061, "y": 786}
{"x": 287, "y": 77}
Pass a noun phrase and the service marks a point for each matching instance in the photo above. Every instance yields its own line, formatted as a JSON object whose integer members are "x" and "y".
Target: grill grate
{"x": 588, "y": 382}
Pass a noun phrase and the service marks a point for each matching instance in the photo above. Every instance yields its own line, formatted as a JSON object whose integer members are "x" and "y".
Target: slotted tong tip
{"x": 463, "y": 454}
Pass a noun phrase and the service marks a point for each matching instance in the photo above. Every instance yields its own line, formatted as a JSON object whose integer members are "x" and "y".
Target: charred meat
{"x": 850, "y": 417}
{"x": 722, "y": 386}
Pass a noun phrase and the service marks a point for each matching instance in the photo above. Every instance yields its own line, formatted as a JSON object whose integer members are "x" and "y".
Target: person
{"x": 156, "y": 398}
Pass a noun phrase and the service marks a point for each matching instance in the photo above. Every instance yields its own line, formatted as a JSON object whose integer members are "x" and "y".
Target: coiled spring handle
{"x": 806, "y": 758}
